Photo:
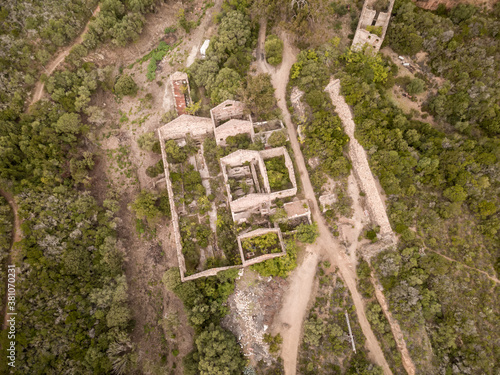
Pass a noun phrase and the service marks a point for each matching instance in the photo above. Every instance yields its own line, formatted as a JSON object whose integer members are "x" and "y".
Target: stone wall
{"x": 173, "y": 211}
{"x": 256, "y": 233}
{"x": 362, "y": 36}
{"x": 251, "y": 201}
{"x": 231, "y": 128}
{"x": 361, "y": 168}
{"x": 186, "y": 124}
{"x": 227, "y": 110}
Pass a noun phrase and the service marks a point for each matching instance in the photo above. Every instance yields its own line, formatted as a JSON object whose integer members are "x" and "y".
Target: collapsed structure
{"x": 250, "y": 188}
{"x": 372, "y": 25}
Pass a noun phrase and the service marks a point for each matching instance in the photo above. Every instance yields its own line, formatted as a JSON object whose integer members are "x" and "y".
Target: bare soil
{"x": 326, "y": 244}
{"x": 253, "y": 306}
{"x": 121, "y": 166}
{"x": 295, "y": 306}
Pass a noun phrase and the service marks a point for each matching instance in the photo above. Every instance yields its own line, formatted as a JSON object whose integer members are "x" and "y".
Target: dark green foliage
{"x": 72, "y": 253}
{"x": 324, "y": 347}
{"x": 216, "y": 350}
{"x": 228, "y": 58}
{"x": 325, "y": 137}
{"x": 212, "y": 155}
{"x": 125, "y": 85}
{"x": 259, "y": 97}
{"x": 280, "y": 266}
{"x": 274, "y": 50}
{"x": 151, "y": 206}
{"x": 277, "y": 172}
{"x": 464, "y": 51}
{"x": 226, "y": 236}
{"x": 307, "y": 232}
{"x": 156, "y": 169}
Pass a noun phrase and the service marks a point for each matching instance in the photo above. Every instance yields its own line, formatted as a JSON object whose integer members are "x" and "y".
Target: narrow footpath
{"x": 49, "y": 69}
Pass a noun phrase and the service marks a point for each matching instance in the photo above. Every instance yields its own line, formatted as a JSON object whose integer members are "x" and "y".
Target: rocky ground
{"x": 253, "y": 306}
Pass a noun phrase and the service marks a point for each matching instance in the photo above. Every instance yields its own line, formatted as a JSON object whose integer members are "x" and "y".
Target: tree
{"x": 175, "y": 154}
{"x": 307, "y": 233}
{"x": 416, "y": 86}
{"x": 455, "y": 193}
{"x": 274, "y": 50}
{"x": 278, "y": 138}
{"x": 259, "y": 97}
{"x": 125, "y": 85}
{"x": 150, "y": 205}
{"x": 219, "y": 353}
{"x": 69, "y": 123}
{"x": 226, "y": 86}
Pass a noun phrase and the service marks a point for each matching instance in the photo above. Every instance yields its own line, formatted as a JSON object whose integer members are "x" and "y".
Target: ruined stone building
{"x": 252, "y": 193}
{"x": 372, "y": 26}
{"x": 181, "y": 91}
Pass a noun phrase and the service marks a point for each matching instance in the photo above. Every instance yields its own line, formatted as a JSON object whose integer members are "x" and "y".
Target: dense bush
{"x": 125, "y": 85}
{"x": 274, "y": 50}
{"x": 463, "y": 49}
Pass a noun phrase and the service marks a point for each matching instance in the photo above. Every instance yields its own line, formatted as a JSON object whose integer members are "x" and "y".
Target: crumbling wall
{"x": 257, "y": 233}
{"x": 231, "y": 128}
{"x": 281, "y": 151}
{"x": 362, "y": 36}
{"x": 186, "y": 124}
{"x": 227, "y": 110}
{"x": 173, "y": 211}
{"x": 361, "y": 168}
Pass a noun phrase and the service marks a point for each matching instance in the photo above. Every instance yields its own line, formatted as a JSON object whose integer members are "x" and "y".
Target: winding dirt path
{"x": 13, "y": 255}
{"x": 326, "y": 244}
{"x": 294, "y": 309}
{"x": 492, "y": 278}
{"x": 49, "y": 69}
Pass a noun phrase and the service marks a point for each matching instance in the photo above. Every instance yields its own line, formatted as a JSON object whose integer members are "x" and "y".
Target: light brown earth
{"x": 150, "y": 254}
{"x": 294, "y": 307}
{"x": 326, "y": 245}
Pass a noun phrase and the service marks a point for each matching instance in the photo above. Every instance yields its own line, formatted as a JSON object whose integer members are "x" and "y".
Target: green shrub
{"x": 125, "y": 85}
{"x": 274, "y": 50}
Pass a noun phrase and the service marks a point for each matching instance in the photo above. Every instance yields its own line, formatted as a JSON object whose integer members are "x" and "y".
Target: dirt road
{"x": 16, "y": 237}
{"x": 49, "y": 69}
{"x": 294, "y": 308}
{"x": 327, "y": 245}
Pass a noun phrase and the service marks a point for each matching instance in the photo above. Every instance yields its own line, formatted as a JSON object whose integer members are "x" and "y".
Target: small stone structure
{"x": 262, "y": 196}
{"x": 231, "y": 128}
{"x": 195, "y": 126}
{"x": 227, "y": 119}
{"x": 229, "y": 109}
{"x": 257, "y": 233}
{"x": 181, "y": 91}
{"x": 298, "y": 209}
{"x": 369, "y": 17}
